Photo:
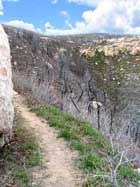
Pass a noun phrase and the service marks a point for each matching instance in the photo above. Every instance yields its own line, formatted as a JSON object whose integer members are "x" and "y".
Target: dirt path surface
{"x": 57, "y": 168}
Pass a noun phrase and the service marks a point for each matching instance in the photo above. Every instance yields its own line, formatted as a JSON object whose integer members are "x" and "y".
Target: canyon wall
{"x": 6, "y": 90}
{"x": 97, "y": 80}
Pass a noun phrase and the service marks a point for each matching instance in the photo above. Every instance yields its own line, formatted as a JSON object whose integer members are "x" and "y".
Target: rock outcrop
{"x": 6, "y": 90}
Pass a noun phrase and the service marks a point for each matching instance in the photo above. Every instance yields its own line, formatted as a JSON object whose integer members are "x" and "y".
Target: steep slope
{"x": 97, "y": 80}
{"x": 59, "y": 166}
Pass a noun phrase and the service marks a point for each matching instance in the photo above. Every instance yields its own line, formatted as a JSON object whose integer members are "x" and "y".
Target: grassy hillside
{"x": 93, "y": 149}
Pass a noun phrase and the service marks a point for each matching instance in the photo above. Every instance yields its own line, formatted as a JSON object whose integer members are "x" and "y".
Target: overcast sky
{"x": 73, "y": 16}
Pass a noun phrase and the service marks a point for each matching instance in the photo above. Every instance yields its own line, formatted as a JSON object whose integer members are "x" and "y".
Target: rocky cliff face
{"x": 98, "y": 80}
{"x": 6, "y": 90}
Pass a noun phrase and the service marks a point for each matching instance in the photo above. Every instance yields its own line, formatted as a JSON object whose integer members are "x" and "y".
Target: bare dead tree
{"x": 114, "y": 161}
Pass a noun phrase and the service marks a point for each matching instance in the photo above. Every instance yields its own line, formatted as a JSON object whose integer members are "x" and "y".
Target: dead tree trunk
{"x": 98, "y": 116}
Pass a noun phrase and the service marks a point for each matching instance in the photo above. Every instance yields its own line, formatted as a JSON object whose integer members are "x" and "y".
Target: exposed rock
{"x": 6, "y": 90}
{"x": 97, "y": 104}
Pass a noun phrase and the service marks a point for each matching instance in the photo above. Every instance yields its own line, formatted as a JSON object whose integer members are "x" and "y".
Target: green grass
{"x": 20, "y": 156}
{"x": 92, "y": 146}
{"x": 127, "y": 172}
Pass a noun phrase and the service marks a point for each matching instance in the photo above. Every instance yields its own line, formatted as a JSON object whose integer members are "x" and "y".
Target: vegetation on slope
{"x": 17, "y": 158}
{"x": 93, "y": 148}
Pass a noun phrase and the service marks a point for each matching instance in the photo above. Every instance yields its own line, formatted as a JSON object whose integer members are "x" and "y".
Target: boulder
{"x": 6, "y": 90}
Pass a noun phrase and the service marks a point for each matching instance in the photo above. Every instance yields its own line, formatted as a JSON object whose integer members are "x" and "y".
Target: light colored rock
{"x": 138, "y": 170}
{"x": 136, "y": 51}
{"x": 97, "y": 104}
{"x": 6, "y": 90}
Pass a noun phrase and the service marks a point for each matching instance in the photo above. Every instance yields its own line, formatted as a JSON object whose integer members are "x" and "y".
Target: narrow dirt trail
{"x": 57, "y": 168}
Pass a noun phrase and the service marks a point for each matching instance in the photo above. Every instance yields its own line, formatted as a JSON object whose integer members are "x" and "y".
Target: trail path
{"x": 57, "y": 168}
